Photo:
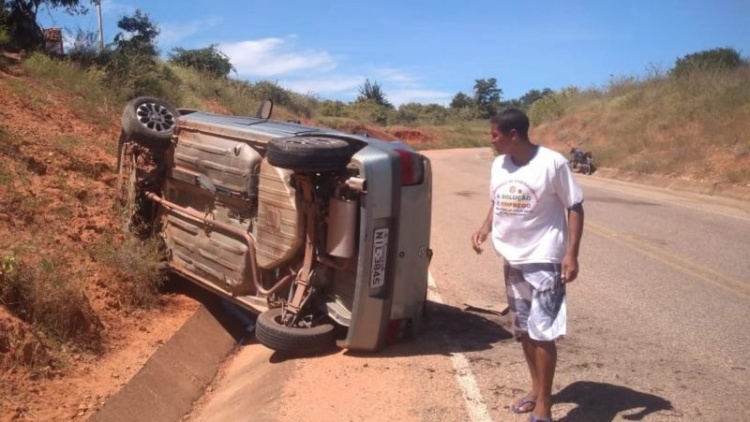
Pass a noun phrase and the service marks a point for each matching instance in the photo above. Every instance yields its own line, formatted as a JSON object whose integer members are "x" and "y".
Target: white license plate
{"x": 379, "y": 254}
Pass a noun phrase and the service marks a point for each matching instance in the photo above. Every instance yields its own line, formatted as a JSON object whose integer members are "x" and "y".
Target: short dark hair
{"x": 512, "y": 118}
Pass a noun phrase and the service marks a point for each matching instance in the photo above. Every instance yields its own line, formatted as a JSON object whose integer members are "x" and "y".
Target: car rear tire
{"x": 293, "y": 340}
{"x": 309, "y": 154}
{"x": 150, "y": 122}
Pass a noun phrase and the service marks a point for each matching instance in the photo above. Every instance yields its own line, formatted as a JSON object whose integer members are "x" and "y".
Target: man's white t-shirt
{"x": 529, "y": 222}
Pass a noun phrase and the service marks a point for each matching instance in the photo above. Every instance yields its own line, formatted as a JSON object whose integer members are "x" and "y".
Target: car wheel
{"x": 309, "y": 154}
{"x": 271, "y": 333}
{"x": 149, "y": 121}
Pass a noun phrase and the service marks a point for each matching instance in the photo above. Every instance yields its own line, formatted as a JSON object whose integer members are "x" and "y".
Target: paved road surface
{"x": 658, "y": 327}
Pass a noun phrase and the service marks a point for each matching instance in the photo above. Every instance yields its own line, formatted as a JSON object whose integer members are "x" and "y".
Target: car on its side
{"x": 325, "y": 235}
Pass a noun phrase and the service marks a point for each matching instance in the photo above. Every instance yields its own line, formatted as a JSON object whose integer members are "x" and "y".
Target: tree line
{"x": 131, "y": 62}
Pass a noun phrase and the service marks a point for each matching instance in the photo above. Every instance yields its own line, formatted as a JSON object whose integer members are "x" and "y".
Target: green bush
{"x": 207, "y": 60}
{"x": 717, "y": 59}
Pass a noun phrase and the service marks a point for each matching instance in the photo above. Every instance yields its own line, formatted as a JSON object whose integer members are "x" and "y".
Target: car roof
{"x": 253, "y": 125}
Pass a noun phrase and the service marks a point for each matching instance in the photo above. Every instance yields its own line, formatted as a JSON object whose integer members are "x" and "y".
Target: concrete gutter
{"x": 178, "y": 373}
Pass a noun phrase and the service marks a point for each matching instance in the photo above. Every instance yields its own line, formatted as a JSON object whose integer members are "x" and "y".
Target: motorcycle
{"x": 581, "y": 161}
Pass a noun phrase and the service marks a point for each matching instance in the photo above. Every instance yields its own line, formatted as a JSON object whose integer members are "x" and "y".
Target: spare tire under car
{"x": 309, "y": 153}
{"x": 271, "y": 333}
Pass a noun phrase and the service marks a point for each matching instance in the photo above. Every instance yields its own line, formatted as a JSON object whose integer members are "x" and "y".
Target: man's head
{"x": 509, "y": 128}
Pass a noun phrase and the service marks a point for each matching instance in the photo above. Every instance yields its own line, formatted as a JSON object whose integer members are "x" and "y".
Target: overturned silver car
{"x": 324, "y": 234}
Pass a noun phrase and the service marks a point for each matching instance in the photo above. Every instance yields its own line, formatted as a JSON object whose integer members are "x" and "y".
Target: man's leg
{"x": 519, "y": 301}
{"x": 530, "y": 355}
{"x": 545, "y": 360}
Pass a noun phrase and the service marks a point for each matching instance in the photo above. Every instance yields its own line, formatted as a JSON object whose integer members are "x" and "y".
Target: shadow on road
{"x": 445, "y": 330}
{"x": 603, "y": 402}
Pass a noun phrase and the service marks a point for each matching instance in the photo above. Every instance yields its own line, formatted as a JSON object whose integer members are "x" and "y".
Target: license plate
{"x": 379, "y": 254}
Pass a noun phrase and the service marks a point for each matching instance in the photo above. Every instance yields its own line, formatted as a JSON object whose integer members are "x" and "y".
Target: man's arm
{"x": 575, "y": 231}
{"x": 481, "y": 235}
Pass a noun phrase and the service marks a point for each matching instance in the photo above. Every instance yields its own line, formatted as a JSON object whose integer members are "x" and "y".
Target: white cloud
{"x": 395, "y": 75}
{"x": 111, "y": 7}
{"x": 273, "y": 57}
{"x": 424, "y": 96}
{"x": 327, "y": 85}
{"x": 174, "y": 33}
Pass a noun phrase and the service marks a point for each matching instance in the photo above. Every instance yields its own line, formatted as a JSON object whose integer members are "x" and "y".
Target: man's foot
{"x": 523, "y": 405}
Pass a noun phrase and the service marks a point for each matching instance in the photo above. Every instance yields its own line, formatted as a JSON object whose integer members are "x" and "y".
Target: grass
{"x": 660, "y": 124}
{"x": 42, "y": 291}
{"x": 136, "y": 264}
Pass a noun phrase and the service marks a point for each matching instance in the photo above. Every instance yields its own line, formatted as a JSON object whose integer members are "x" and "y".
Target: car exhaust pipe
{"x": 230, "y": 229}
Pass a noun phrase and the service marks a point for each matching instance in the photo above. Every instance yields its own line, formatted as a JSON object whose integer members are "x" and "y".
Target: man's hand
{"x": 478, "y": 238}
{"x": 569, "y": 268}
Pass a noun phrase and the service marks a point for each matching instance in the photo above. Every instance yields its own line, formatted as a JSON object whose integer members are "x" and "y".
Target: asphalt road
{"x": 658, "y": 322}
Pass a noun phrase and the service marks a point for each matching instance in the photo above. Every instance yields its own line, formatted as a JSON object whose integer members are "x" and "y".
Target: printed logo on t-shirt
{"x": 514, "y": 198}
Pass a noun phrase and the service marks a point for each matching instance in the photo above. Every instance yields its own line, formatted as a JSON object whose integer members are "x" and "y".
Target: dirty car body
{"x": 324, "y": 234}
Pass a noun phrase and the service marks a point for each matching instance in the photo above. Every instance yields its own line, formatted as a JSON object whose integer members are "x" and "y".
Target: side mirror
{"x": 264, "y": 110}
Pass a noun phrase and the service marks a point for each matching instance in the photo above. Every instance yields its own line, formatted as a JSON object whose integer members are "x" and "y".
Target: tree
{"x": 371, "y": 91}
{"x": 487, "y": 96}
{"x": 716, "y": 59}
{"x": 207, "y": 60}
{"x": 532, "y": 96}
{"x": 138, "y": 36}
{"x": 461, "y": 100}
{"x": 20, "y": 18}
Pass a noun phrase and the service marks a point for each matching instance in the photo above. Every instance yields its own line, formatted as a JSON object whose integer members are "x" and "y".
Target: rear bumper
{"x": 392, "y": 274}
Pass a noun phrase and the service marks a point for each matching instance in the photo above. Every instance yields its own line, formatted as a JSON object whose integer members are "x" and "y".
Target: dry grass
{"x": 42, "y": 291}
{"x": 694, "y": 126}
{"x": 136, "y": 264}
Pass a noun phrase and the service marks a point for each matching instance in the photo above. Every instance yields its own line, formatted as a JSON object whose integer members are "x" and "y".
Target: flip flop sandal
{"x": 523, "y": 406}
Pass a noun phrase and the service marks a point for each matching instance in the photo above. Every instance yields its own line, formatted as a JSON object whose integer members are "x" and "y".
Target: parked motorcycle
{"x": 582, "y": 161}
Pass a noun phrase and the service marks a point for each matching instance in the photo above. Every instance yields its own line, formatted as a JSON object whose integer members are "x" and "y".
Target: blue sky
{"x": 427, "y": 51}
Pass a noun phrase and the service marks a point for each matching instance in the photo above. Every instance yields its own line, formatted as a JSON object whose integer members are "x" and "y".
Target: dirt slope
{"x": 57, "y": 204}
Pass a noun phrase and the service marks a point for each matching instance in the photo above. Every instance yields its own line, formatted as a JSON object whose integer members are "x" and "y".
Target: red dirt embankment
{"x": 57, "y": 202}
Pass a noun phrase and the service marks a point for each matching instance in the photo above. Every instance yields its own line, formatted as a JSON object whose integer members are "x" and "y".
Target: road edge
{"x": 177, "y": 374}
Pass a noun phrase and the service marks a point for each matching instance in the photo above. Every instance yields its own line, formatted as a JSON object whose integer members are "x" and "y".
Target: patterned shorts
{"x": 536, "y": 297}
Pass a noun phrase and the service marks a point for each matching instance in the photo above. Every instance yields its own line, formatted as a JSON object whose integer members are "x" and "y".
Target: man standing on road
{"x": 536, "y": 222}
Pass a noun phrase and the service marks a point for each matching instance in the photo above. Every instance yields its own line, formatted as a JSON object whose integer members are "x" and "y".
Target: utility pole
{"x": 101, "y": 28}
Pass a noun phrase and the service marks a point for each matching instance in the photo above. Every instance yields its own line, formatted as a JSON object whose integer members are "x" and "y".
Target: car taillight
{"x": 412, "y": 167}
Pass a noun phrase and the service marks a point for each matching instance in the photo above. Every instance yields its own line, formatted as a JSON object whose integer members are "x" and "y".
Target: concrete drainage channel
{"x": 178, "y": 373}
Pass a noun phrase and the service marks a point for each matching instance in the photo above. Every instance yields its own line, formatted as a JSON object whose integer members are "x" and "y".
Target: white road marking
{"x": 464, "y": 376}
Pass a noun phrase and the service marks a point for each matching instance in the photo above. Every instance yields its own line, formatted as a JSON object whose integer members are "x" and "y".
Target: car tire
{"x": 293, "y": 340}
{"x": 150, "y": 122}
{"x": 309, "y": 154}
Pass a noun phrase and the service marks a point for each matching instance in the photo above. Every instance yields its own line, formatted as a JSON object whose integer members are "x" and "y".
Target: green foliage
{"x": 138, "y": 35}
{"x": 18, "y": 20}
{"x": 487, "y": 97}
{"x": 461, "y": 100}
{"x": 431, "y": 114}
{"x": 207, "y": 60}
{"x": 370, "y": 111}
{"x": 717, "y": 59}
{"x": 373, "y": 92}
{"x": 333, "y": 108}
{"x": 552, "y": 106}
{"x": 85, "y": 50}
